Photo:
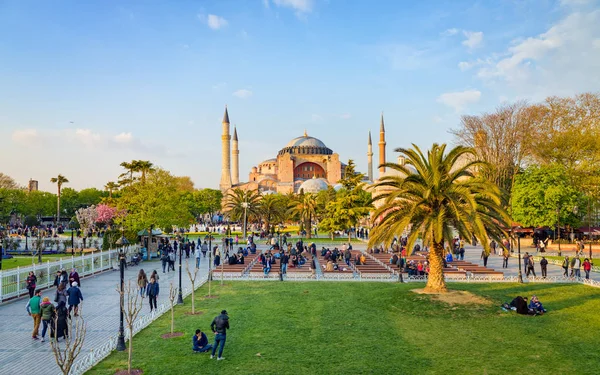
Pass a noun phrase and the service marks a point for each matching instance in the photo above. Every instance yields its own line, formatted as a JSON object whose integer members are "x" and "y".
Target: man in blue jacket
{"x": 75, "y": 297}
{"x": 200, "y": 342}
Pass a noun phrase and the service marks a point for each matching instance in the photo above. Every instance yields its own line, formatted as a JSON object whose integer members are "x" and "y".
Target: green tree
{"x": 7, "y": 182}
{"x": 157, "y": 202}
{"x": 351, "y": 178}
{"x": 59, "y": 180}
{"x": 540, "y": 191}
{"x": 441, "y": 197}
{"x": 344, "y": 213}
{"x": 303, "y": 207}
{"x": 242, "y": 205}
{"x": 111, "y": 187}
{"x": 90, "y": 196}
{"x": 272, "y": 210}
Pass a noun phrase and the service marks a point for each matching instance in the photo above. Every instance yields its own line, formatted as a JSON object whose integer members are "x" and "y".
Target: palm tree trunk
{"x": 309, "y": 226}
{"x": 58, "y": 207}
{"x": 435, "y": 281}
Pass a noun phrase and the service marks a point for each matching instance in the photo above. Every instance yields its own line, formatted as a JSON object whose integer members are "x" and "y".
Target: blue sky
{"x": 86, "y": 85}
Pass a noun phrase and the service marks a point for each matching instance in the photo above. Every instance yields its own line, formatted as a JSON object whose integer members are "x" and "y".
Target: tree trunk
{"x": 309, "y": 226}
{"x": 435, "y": 281}
{"x": 172, "y": 318}
{"x": 130, "y": 349}
{"x": 193, "y": 298}
{"x": 58, "y": 207}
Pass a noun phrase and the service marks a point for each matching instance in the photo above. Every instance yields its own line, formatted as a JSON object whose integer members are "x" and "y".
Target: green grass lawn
{"x": 375, "y": 328}
{"x": 25, "y": 261}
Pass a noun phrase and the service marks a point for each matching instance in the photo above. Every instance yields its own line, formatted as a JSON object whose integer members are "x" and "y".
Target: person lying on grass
{"x": 519, "y": 304}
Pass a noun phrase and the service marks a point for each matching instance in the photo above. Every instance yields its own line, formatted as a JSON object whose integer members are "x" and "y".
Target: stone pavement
{"x": 20, "y": 354}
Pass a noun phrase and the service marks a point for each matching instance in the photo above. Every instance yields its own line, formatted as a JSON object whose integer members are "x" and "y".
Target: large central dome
{"x": 306, "y": 145}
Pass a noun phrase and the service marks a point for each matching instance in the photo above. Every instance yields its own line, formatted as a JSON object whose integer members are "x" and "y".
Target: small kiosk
{"x": 149, "y": 250}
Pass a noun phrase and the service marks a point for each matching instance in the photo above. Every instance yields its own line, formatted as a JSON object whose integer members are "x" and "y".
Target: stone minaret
{"x": 381, "y": 147}
{"x": 370, "y": 158}
{"x": 225, "y": 155}
{"x": 235, "y": 159}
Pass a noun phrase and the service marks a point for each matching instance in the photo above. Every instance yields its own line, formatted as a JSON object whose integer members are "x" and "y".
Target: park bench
{"x": 495, "y": 275}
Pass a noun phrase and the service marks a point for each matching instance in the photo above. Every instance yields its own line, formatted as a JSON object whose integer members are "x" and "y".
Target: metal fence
{"x": 13, "y": 282}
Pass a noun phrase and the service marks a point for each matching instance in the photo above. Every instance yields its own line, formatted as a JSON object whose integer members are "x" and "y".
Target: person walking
{"x": 576, "y": 266}
{"x": 172, "y": 258}
{"x": 74, "y": 276}
{"x": 34, "y": 311}
{"x": 525, "y": 261}
{"x": 152, "y": 291}
{"x": 62, "y": 328}
{"x": 565, "y": 266}
{"x": 587, "y": 267}
{"x": 204, "y": 249}
{"x": 198, "y": 254}
{"x": 31, "y": 283}
{"x": 47, "y": 310}
{"x": 75, "y": 297}
{"x": 530, "y": 264}
{"x": 284, "y": 262}
{"x": 485, "y": 257}
{"x": 164, "y": 258}
{"x": 61, "y": 294}
{"x": 142, "y": 282}
{"x": 219, "y": 326}
{"x": 544, "y": 267}
{"x": 505, "y": 256}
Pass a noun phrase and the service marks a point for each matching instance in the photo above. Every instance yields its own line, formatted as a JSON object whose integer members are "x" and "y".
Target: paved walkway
{"x": 473, "y": 254}
{"x": 19, "y": 354}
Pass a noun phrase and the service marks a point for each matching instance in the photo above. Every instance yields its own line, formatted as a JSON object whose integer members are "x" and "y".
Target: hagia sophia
{"x": 304, "y": 163}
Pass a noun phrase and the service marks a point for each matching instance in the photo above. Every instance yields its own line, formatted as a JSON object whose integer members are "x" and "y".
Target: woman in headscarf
{"x": 74, "y": 276}
{"x": 62, "y": 328}
{"x": 31, "y": 283}
{"x": 61, "y": 293}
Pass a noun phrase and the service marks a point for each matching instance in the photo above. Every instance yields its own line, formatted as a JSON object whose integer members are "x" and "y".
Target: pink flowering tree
{"x": 106, "y": 213}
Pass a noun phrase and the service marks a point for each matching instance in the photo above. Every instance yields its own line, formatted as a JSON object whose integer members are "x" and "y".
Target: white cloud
{"x": 123, "y": 137}
{"x": 449, "y": 32}
{"x": 460, "y": 99}
{"x": 474, "y": 39}
{"x": 243, "y": 93}
{"x": 300, "y": 6}
{"x": 316, "y": 118}
{"x": 464, "y": 65}
{"x": 575, "y": 2}
{"x": 561, "y": 61}
{"x": 345, "y": 116}
{"x": 213, "y": 21}
{"x": 87, "y": 137}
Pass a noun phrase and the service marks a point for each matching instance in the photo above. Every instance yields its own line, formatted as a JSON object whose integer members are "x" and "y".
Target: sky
{"x": 87, "y": 85}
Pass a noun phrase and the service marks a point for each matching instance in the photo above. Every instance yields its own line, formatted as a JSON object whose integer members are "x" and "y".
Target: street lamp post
{"x": 180, "y": 295}
{"x": 122, "y": 243}
{"x": 209, "y": 255}
{"x": 245, "y": 205}
{"x": 39, "y": 246}
{"x": 590, "y": 225}
{"x": 520, "y": 276}
{"x": 558, "y": 227}
{"x": 26, "y": 246}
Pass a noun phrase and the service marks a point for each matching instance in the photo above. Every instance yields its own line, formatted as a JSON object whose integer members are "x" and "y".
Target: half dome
{"x": 314, "y": 185}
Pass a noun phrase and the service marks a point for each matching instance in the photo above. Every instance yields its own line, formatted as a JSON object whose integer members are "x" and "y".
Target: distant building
{"x": 32, "y": 186}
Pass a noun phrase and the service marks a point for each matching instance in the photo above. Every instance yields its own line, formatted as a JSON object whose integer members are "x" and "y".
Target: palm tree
{"x": 59, "y": 181}
{"x": 143, "y": 166}
{"x": 442, "y": 197}
{"x": 303, "y": 208}
{"x": 111, "y": 186}
{"x": 242, "y": 205}
{"x": 127, "y": 176}
{"x": 272, "y": 209}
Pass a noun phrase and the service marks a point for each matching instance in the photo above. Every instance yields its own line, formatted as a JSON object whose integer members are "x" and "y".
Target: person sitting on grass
{"x": 520, "y": 305}
{"x": 536, "y": 305}
{"x": 200, "y": 342}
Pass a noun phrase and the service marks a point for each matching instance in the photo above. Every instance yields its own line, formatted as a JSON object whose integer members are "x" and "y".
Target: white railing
{"x": 13, "y": 281}
{"x": 89, "y": 360}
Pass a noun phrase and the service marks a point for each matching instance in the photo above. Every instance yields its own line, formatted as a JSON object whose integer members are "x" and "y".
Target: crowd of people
{"x": 49, "y": 315}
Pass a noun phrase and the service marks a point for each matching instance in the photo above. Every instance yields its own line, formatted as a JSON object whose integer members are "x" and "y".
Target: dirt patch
{"x": 456, "y": 297}
{"x": 171, "y": 335}
{"x": 208, "y": 297}
{"x": 134, "y": 371}
{"x": 196, "y": 313}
